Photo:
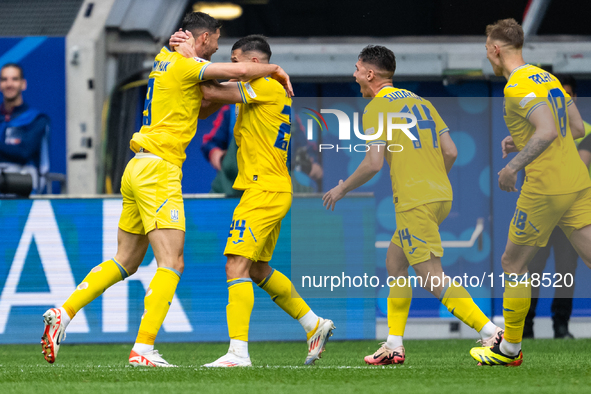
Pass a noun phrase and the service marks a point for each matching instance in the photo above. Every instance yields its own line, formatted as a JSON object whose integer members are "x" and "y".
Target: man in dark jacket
{"x": 22, "y": 129}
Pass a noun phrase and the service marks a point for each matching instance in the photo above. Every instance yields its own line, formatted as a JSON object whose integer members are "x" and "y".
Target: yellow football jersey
{"x": 171, "y": 107}
{"x": 417, "y": 168}
{"x": 559, "y": 169}
{"x": 262, "y": 133}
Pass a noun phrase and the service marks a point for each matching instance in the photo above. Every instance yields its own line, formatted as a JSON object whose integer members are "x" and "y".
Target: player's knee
{"x": 259, "y": 271}
{"x": 131, "y": 270}
{"x": 396, "y": 272}
{"x": 508, "y": 263}
{"x": 130, "y": 264}
{"x": 237, "y": 267}
{"x": 256, "y": 277}
{"x": 233, "y": 270}
{"x": 179, "y": 265}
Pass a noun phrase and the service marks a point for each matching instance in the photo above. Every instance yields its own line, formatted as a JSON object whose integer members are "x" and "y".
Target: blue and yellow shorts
{"x": 256, "y": 224}
{"x": 417, "y": 231}
{"x": 538, "y": 214}
{"x": 152, "y": 196}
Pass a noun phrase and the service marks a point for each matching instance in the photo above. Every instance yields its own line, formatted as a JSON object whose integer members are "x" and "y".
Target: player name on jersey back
{"x": 559, "y": 169}
{"x": 417, "y": 170}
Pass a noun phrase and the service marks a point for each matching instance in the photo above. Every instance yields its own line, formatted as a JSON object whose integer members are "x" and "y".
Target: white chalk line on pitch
{"x": 88, "y": 368}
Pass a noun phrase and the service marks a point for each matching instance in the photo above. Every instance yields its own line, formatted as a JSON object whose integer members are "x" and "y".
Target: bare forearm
{"x": 530, "y": 152}
{"x": 578, "y": 130}
{"x": 257, "y": 70}
{"x": 208, "y": 108}
{"x": 449, "y": 162}
{"x": 361, "y": 176}
{"x": 585, "y": 156}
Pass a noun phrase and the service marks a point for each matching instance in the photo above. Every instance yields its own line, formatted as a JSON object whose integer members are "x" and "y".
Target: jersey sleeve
{"x": 523, "y": 99}
{"x": 192, "y": 68}
{"x": 260, "y": 91}
{"x": 569, "y": 99}
{"x": 440, "y": 126}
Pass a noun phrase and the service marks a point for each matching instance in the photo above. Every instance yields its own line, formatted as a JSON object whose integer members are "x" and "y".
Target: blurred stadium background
{"x": 87, "y": 63}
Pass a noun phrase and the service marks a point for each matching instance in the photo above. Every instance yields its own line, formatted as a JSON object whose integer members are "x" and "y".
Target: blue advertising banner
{"x": 48, "y": 246}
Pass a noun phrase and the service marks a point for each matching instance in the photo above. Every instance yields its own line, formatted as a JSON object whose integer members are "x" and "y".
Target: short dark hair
{"x": 507, "y": 31}
{"x": 568, "y": 79}
{"x": 253, "y": 42}
{"x": 199, "y": 22}
{"x": 14, "y": 65}
{"x": 381, "y": 57}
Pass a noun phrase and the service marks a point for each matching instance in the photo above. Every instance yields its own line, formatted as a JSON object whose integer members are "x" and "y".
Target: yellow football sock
{"x": 459, "y": 302}
{"x": 156, "y": 303}
{"x": 516, "y": 302}
{"x": 240, "y": 304}
{"x": 399, "y": 305}
{"x": 282, "y": 292}
{"x": 99, "y": 279}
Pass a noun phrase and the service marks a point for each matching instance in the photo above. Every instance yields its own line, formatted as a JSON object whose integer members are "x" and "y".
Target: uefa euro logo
{"x": 369, "y": 135}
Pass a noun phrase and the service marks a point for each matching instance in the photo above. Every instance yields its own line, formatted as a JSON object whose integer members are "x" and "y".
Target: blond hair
{"x": 507, "y": 31}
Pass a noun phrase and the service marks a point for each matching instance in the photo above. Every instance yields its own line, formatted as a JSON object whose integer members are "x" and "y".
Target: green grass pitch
{"x": 435, "y": 366}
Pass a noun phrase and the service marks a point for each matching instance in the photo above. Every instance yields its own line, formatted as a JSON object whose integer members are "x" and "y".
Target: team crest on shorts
{"x": 174, "y": 215}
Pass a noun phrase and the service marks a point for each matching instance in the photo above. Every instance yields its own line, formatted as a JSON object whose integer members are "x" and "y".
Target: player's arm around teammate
{"x": 260, "y": 133}
{"x": 153, "y": 210}
{"x": 183, "y": 43}
{"x": 248, "y": 66}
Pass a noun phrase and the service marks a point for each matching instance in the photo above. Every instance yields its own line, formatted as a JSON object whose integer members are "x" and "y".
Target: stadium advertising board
{"x": 48, "y": 246}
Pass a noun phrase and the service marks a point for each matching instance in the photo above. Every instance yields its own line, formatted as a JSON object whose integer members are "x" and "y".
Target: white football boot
{"x": 150, "y": 359}
{"x": 54, "y": 334}
{"x": 317, "y": 343}
{"x": 230, "y": 359}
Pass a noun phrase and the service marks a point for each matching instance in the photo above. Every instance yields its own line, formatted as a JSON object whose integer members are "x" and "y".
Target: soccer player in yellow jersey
{"x": 153, "y": 211}
{"x": 542, "y": 120}
{"x": 422, "y": 198}
{"x": 262, "y": 133}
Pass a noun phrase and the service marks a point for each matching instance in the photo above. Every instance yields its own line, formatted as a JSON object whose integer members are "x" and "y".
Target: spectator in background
{"x": 219, "y": 149}
{"x": 22, "y": 129}
{"x": 565, "y": 256}
{"x": 305, "y": 159}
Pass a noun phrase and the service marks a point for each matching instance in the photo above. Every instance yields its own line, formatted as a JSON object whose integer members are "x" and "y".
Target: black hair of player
{"x": 14, "y": 65}
{"x": 200, "y": 22}
{"x": 253, "y": 42}
{"x": 568, "y": 79}
{"x": 381, "y": 57}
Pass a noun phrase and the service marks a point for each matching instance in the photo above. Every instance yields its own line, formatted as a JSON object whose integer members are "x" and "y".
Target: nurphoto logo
{"x": 370, "y": 135}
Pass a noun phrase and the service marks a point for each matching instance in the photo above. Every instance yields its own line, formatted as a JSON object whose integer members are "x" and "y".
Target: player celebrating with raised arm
{"x": 153, "y": 211}
{"x": 262, "y": 133}
{"x": 542, "y": 120}
{"x": 422, "y": 197}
